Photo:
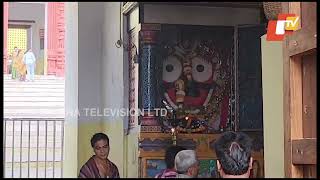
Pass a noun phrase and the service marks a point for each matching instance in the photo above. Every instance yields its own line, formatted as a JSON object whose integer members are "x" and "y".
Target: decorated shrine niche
{"x": 191, "y": 71}
{"x": 195, "y": 78}
{"x": 192, "y": 77}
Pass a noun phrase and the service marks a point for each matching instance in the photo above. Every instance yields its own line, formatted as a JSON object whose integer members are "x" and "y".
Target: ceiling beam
{"x": 212, "y": 4}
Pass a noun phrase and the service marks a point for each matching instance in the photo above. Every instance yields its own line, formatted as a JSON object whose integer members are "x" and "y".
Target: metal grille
{"x": 33, "y": 148}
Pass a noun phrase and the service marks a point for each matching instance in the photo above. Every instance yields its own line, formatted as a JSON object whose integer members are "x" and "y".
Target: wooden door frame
{"x": 302, "y": 42}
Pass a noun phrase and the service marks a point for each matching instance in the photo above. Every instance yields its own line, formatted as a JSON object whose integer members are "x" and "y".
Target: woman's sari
{"x": 21, "y": 67}
{"x": 167, "y": 173}
{"x": 90, "y": 170}
{"x": 14, "y": 65}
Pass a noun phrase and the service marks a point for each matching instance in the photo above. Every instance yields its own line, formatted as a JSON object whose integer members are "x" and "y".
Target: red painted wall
{"x": 56, "y": 36}
{"x": 5, "y": 35}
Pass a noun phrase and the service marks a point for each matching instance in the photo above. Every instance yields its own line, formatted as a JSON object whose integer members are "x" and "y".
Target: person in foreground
{"x": 233, "y": 152}
{"x": 170, "y": 171}
{"x": 99, "y": 166}
{"x": 187, "y": 164}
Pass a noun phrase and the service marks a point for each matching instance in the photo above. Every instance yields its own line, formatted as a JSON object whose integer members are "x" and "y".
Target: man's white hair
{"x": 184, "y": 160}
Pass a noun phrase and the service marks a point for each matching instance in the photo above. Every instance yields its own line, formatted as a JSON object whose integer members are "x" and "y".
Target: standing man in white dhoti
{"x": 30, "y": 60}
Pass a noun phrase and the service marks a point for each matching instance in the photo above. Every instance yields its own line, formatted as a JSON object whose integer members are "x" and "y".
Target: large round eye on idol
{"x": 215, "y": 60}
{"x": 172, "y": 69}
{"x": 201, "y": 69}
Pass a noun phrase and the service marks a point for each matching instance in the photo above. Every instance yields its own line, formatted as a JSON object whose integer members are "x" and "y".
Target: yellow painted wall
{"x": 272, "y": 87}
{"x": 114, "y": 130}
{"x": 70, "y": 150}
{"x": 132, "y": 164}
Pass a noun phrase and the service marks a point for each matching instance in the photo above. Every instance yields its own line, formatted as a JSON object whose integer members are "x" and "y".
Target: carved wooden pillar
{"x": 133, "y": 76}
{"x": 5, "y": 36}
{"x": 148, "y": 62}
{"x": 148, "y": 35}
{"x": 56, "y": 35}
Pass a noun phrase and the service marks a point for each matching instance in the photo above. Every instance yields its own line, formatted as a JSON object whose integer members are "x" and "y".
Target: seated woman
{"x": 99, "y": 166}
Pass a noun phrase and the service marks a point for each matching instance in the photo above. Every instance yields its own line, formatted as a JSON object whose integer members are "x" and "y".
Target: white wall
{"x": 98, "y": 82}
{"x": 70, "y": 162}
{"x": 198, "y": 15}
{"x": 112, "y": 64}
{"x": 90, "y": 57}
{"x": 101, "y": 78}
{"x": 30, "y": 11}
{"x": 112, "y": 72}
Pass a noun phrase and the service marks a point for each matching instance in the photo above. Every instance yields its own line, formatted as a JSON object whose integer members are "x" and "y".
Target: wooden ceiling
{"x": 128, "y": 6}
{"x": 212, "y": 4}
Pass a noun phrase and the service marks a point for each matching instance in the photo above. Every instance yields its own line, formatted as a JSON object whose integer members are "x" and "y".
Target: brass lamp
{"x": 174, "y": 136}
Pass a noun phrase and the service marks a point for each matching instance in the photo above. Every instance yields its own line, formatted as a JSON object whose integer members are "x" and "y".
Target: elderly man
{"x": 187, "y": 164}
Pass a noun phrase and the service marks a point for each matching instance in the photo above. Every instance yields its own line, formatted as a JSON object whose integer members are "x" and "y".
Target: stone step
{"x": 25, "y": 115}
{"x": 36, "y": 78}
{"x": 43, "y": 110}
{"x": 20, "y": 107}
{"x": 43, "y": 98}
{"x": 31, "y": 89}
{"x": 45, "y": 86}
{"x": 34, "y": 113}
{"x": 34, "y": 104}
{"x": 8, "y": 77}
{"x": 34, "y": 94}
{"x": 33, "y": 99}
{"x": 43, "y": 81}
{"x": 11, "y": 83}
